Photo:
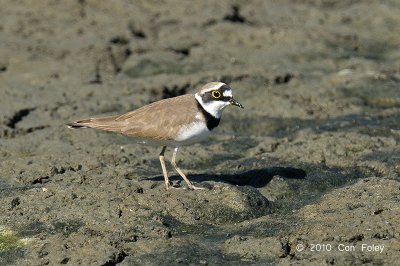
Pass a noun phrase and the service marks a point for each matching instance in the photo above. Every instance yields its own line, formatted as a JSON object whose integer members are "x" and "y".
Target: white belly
{"x": 187, "y": 135}
{"x": 193, "y": 133}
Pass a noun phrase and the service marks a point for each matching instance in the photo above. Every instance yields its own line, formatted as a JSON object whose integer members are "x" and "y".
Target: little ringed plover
{"x": 172, "y": 122}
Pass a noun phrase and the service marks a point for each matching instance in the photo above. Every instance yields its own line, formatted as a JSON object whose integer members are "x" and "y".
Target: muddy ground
{"x": 307, "y": 173}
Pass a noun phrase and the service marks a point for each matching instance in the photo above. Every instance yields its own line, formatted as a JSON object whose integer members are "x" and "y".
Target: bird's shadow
{"x": 256, "y": 178}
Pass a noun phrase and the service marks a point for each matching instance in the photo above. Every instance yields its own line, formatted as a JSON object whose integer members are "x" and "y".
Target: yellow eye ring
{"x": 216, "y": 94}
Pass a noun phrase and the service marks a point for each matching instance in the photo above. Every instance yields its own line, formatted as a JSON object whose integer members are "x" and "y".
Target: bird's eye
{"x": 216, "y": 94}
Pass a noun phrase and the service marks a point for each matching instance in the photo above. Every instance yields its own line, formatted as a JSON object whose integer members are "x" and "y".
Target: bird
{"x": 173, "y": 122}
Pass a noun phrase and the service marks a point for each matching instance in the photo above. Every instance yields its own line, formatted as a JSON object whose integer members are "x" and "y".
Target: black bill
{"x": 236, "y": 103}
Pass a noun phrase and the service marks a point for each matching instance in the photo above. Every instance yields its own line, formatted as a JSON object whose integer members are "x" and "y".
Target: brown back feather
{"x": 159, "y": 120}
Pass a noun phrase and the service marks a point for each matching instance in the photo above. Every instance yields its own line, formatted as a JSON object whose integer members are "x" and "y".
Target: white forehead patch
{"x": 227, "y": 93}
{"x": 211, "y": 86}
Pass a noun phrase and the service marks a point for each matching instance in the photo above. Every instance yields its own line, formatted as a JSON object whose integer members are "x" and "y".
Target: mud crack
{"x": 18, "y": 116}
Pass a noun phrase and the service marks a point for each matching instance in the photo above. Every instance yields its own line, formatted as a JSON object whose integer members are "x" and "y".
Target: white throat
{"x": 214, "y": 108}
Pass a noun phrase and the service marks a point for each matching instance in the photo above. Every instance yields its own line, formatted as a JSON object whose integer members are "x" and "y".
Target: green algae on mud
{"x": 9, "y": 240}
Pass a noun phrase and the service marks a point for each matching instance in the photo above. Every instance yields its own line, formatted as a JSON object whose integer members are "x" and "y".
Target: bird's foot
{"x": 192, "y": 187}
{"x": 168, "y": 185}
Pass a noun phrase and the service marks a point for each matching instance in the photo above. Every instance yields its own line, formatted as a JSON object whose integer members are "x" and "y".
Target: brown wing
{"x": 160, "y": 120}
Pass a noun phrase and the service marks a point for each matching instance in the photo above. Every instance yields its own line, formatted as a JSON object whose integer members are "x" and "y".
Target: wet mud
{"x": 307, "y": 173}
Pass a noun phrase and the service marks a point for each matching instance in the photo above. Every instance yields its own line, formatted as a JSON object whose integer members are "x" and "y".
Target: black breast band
{"x": 211, "y": 121}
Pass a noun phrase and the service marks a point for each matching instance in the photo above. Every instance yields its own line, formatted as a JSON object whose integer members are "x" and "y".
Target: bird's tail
{"x": 86, "y": 123}
{"x": 104, "y": 123}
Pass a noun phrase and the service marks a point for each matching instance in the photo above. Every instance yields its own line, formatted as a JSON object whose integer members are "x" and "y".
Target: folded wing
{"x": 159, "y": 120}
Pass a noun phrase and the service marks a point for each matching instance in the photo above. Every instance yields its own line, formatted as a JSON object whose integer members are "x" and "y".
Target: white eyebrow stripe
{"x": 227, "y": 93}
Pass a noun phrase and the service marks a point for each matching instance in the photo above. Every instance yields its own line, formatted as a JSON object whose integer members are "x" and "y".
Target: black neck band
{"x": 211, "y": 121}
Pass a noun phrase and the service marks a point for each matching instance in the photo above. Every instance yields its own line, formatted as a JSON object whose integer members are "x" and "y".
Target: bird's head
{"x": 214, "y": 97}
